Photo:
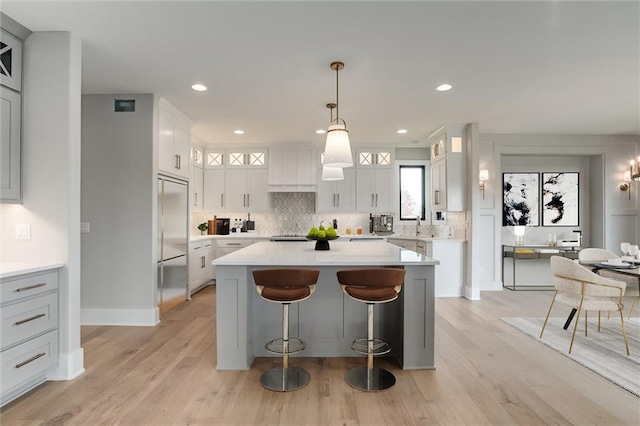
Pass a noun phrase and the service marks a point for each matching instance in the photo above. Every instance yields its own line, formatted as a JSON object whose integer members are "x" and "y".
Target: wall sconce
{"x": 484, "y": 176}
{"x": 626, "y": 184}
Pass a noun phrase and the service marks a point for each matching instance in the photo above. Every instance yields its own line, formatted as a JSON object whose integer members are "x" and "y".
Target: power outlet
{"x": 85, "y": 228}
{"x": 23, "y": 231}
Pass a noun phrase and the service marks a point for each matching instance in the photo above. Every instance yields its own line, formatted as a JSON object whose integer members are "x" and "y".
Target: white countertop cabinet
{"x": 29, "y": 325}
{"x": 201, "y": 271}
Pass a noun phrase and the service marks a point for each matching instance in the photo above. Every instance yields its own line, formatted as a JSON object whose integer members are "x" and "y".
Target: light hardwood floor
{"x": 488, "y": 373}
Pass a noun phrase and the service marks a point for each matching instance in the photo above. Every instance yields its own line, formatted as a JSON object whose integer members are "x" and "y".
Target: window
{"x": 412, "y": 191}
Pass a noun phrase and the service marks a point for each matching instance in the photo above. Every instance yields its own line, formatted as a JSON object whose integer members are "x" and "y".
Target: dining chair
{"x": 584, "y": 290}
{"x": 590, "y": 256}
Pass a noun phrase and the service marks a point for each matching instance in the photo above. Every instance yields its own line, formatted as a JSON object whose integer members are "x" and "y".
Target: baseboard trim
{"x": 471, "y": 293}
{"x": 69, "y": 367}
{"x": 123, "y": 317}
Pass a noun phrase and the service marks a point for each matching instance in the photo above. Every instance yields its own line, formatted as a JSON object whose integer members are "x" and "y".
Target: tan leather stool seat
{"x": 285, "y": 286}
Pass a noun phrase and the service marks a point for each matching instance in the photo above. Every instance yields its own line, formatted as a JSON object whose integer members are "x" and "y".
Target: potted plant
{"x": 203, "y": 228}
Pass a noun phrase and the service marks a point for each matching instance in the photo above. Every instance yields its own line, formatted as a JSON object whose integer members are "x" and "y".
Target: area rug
{"x": 602, "y": 352}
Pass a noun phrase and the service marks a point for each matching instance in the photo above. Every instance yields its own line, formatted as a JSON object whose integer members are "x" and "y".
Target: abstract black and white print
{"x": 520, "y": 199}
{"x": 560, "y": 199}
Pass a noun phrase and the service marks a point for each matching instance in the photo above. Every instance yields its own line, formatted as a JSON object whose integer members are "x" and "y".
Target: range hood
{"x": 292, "y": 188}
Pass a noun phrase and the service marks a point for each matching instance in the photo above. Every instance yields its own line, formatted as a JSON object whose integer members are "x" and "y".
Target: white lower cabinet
{"x": 224, "y": 246}
{"x": 449, "y": 274}
{"x": 29, "y": 331}
{"x": 200, "y": 268}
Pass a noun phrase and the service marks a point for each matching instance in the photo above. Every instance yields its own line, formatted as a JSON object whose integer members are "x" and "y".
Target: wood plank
{"x": 487, "y": 372}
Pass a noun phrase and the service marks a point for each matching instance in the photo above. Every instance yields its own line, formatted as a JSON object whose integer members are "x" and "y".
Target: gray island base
{"x": 328, "y": 321}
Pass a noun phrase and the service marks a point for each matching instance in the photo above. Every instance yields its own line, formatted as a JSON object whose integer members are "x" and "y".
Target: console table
{"x": 532, "y": 252}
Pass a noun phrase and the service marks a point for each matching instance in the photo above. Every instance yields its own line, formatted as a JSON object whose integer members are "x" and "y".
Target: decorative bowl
{"x": 323, "y": 243}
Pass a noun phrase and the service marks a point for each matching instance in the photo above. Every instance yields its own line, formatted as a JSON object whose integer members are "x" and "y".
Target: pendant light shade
{"x": 332, "y": 173}
{"x": 337, "y": 149}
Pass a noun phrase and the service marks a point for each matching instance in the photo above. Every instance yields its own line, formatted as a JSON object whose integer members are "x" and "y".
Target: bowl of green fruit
{"x": 322, "y": 236}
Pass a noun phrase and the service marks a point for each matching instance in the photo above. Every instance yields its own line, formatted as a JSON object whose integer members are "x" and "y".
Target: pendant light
{"x": 328, "y": 172}
{"x": 337, "y": 149}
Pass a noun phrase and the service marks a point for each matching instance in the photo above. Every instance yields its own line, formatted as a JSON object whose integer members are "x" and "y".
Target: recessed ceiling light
{"x": 239, "y": 132}
{"x": 444, "y": 87}
{"x": 402, "y": 131}
{"x": 321, "y": 131}
{"x": 199, "y": 87}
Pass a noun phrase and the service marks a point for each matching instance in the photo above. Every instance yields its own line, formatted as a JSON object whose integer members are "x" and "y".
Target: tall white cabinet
{"x": 447, "y": 169}
{"x": 173, "y": 141}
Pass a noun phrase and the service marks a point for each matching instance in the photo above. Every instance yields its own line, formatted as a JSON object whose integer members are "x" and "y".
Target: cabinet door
{"x": 306, "y": 167}
{"x": 197, "y": 188}
{"x": 438, "y": 186}
{"x": 235, "y": 191}
{"x": 166, "y": 160}
{"x": 214, "y": 190}
{"x": 195, "y": 268}
{"x": 384, "y": 188}
{"x": 10, "y": 146}
{"x": 257, "y": 195}
{"x": 345, "y": 191}
{"x": 326, "y": 197}
{"x": 181, "y": 151}
{"x": 365, "y": 194}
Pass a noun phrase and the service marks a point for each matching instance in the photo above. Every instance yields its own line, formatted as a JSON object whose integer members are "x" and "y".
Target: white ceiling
{"x": 545, "y": 67}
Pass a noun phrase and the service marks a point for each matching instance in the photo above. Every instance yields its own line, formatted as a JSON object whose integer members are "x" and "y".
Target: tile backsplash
{"x": 294, "y": 213}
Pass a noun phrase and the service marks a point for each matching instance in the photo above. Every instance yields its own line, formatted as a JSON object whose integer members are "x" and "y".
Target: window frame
{"x": 423, "y": 165}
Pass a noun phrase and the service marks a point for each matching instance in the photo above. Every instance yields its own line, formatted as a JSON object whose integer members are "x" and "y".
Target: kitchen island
{"x": 328, "y": 321}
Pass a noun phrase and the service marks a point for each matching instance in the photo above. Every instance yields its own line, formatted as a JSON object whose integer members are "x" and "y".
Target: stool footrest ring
{"x": 380, "y": 347}
{"x": 275, "y": 346}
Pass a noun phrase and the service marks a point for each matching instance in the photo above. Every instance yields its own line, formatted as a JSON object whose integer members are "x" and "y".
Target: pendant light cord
{"x": 337, "y": 100}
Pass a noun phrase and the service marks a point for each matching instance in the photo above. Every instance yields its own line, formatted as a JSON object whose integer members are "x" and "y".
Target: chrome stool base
{"x": 284, "y": 380}
{"x": 370, "y": 380}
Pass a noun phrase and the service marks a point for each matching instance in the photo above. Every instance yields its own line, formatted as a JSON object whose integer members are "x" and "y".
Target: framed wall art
{"x": 560, "y": 196}
{"x": 520, "y": 199}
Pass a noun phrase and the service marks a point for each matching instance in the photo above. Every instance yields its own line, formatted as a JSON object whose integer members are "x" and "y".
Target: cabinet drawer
{"x": 23, "y": 320}
{"x": 28, "y": 286}
{"x": 233, "y": 243}
{"x": 23, "y": 362}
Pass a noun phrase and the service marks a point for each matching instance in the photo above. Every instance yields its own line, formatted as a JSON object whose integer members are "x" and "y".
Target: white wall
{"x": 51, "y": 179}
{"x": 118, "y": 202}
{"x": 615, "y": 216}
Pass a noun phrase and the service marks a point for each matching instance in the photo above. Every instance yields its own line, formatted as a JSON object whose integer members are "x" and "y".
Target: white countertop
{"x": 304, "y": 253}
{"x": 258, "y": 236}
{"x": 8, "y": 270}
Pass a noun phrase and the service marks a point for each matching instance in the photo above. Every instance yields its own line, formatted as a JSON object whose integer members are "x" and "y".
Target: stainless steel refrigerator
{"x": 173, "y": 279}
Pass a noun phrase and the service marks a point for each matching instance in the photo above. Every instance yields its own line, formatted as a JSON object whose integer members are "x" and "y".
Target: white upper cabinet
{"x": 292, "y": 169}
{"x": 337, "y": 196}
{"x": 447, "y": 168}
{"x": 196, "y": 184}
{"x": 214, "y": 187}
{"x": 246, "y": 190}
{"x": 173, "y": 141}
{"x": 375, "y": 190}
{"x": 251, "y": 158}
{"x": 10, "y": 110}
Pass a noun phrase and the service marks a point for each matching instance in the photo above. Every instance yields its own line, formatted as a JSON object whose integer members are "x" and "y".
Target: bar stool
{"x": 285, "y": 286}
{"x": 371, "y": 286}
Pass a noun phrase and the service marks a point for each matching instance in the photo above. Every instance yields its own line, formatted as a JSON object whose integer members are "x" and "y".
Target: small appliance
{"x": 381, "y": 224}
{"x": 222, "y": 226}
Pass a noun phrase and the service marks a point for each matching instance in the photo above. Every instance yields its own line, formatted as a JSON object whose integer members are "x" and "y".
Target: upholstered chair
{"x": 579, "y": 288}
{"x": 589, "y": 256}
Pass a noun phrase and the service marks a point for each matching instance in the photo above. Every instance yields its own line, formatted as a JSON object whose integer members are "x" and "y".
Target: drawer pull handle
{"x": 31, "y": 287}
{"x": 234, "y": 244}
{"x": 33, "y": 358}
{"x": 35, "y": 317}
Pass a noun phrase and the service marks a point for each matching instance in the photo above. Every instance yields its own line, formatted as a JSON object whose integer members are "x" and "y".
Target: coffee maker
{"x": 381, "y": 224}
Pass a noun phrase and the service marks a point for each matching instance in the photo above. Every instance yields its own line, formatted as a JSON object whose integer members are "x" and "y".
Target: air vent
{"x": 124, "y": 105}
